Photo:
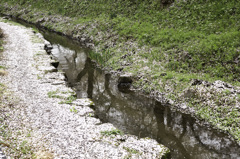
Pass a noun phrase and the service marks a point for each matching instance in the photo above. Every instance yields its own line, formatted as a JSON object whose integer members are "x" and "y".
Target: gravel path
{"x": 56, "y": 127}
{"x": 2, "y": 156}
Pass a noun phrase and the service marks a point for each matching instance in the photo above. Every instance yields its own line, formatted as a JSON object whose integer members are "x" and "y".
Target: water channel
{"x": 136, "y": 114}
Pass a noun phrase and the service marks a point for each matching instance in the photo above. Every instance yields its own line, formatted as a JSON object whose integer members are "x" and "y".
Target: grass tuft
{"x": 111, "y": 132}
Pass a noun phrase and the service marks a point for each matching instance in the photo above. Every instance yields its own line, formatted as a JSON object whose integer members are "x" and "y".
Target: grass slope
{"x": 189, "y": 36}
{"x": 164, "y": 47}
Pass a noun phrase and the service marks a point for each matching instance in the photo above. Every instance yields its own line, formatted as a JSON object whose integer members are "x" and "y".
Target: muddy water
{"x": 136, "y": 114}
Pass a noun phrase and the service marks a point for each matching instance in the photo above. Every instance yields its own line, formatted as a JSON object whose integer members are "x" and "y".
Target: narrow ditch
{"x": 133, "y": 112}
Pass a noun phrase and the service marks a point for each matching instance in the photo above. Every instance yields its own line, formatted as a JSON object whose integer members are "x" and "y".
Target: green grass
{"x": 222, "y": 113}
{"x": 67, "y": 97}
{"x": 111, "y": 132}
{"x": 131, "y": 152}
{"x": 2, "y": 67}
{"x": 54, "y": 94}
{"x": 74, "y": 110}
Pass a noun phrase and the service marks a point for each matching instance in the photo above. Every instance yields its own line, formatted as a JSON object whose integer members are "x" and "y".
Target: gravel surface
{"x": 66, "y": 131}
{"x": 2, "y": 156}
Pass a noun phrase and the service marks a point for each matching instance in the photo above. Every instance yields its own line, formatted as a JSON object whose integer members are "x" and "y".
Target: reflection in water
{"x": 136, "y": 114}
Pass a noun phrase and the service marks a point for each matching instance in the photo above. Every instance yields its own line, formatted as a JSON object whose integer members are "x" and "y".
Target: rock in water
{"x": 124, "y": 83}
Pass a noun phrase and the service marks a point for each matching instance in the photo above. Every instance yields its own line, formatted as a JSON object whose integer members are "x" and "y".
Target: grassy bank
{"x": 164, "y": 47}
{"x": 187, "y": 37}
